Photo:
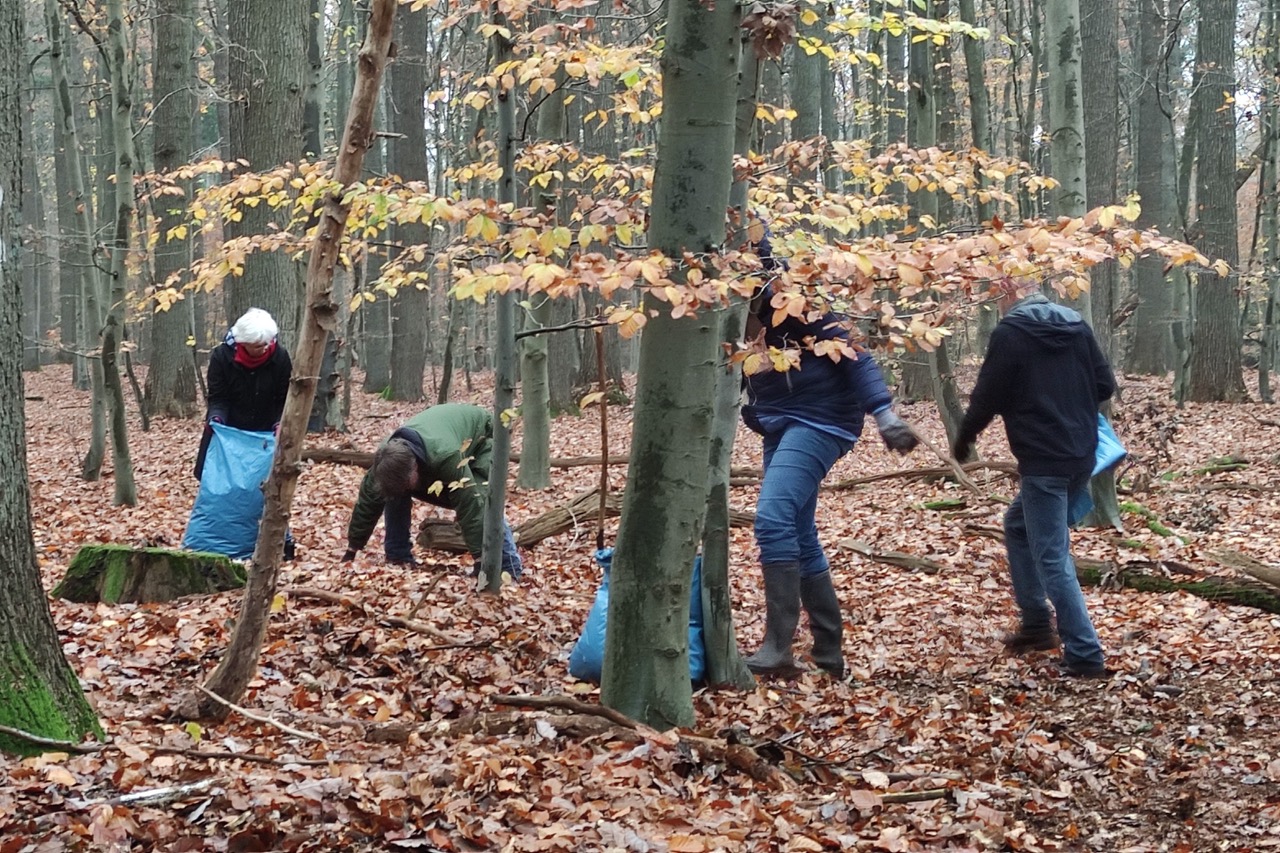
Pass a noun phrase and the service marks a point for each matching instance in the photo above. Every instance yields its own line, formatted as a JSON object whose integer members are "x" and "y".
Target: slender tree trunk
{"x": 725, "y": 666}
{"x": 504, "y": 380}
{"x": 240, "y": 662}
{"x": 1099, "y": 40}
{"x": 1216, "y": 372}
{"x": 171, "y": 378}
{"x": 646, "y": 670}
{"x": 33, "y": 249}
{"x": 39, "y": 692}
{"x": 1269, "y": 198}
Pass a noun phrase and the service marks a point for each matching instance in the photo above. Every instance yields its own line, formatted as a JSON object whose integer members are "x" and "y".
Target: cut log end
{"x": 117, "y": 573}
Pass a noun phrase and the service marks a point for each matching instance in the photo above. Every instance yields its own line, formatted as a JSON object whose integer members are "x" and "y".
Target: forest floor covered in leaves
{"x": 392, "y": 738}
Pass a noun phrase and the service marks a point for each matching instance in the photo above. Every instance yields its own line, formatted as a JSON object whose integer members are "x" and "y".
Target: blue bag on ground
{"x": 586, "y": 661}
{"x": 229, "y": 504}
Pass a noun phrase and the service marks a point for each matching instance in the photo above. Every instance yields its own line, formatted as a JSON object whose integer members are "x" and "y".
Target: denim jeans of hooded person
{"x": 1037, "y": 539}
{"x": 796, "y": 459}
{"x": 397, "y": 517}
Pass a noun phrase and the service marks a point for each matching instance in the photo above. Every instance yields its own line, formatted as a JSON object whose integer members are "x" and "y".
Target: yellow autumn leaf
{"x": 278, "y": 603}
{"x": 686, "y": 844}
{"x": 910, "y": 275}
{"x": 591, "y": 399}
{"x": 60, "y": 776}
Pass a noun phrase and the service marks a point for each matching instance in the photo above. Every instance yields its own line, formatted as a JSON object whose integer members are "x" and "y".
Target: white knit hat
{"x": 255, "y": 327}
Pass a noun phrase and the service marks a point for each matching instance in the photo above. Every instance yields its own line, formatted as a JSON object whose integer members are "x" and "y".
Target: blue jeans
{"x": 795, "y": 461}
{"x": 1037, "y": 538}
{"x": 397, "y": 516}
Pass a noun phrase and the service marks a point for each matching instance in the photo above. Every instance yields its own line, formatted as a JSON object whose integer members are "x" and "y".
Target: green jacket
{"x": 454, "y": 445}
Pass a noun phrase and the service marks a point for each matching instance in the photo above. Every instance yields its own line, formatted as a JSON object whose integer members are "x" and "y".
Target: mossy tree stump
{"x": 116, "y": 573}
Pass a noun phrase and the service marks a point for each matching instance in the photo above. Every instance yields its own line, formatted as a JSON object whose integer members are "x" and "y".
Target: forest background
{"x": 517, "y": 156}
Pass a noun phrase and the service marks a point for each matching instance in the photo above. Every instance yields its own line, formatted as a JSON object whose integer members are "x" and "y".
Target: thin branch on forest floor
{"x": 353, "y": 603}
{"x": 260, "y": 718}
{"x": 114, "y": 746}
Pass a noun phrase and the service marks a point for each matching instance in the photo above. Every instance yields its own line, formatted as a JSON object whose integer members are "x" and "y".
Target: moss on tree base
{"x": 116, "y": 573}
{"x": 29, "y": 703}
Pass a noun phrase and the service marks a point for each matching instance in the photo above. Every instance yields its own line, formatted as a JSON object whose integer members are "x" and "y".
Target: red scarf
{"x": 245, "y": 360}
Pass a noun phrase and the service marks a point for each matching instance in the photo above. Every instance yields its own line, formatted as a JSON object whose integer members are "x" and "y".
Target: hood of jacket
{"x": 1052, "y": 324}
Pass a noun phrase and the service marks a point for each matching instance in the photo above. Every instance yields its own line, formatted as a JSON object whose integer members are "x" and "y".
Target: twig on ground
{"x": 53, "y": 743}
{"x": 260, "y": 718}
{"x": 914, "y": 796}
{"x": 344, "y": 600}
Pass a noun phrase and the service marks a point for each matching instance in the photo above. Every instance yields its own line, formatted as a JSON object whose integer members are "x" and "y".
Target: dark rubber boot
{"x": 825, "y": 621}
{"x": 782, "y": 614}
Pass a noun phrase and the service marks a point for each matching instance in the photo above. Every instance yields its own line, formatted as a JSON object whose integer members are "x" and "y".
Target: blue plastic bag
{"x": 228, "y": 507}
{"x": 1110, "y": 450}
{"x": 586, "y": 661}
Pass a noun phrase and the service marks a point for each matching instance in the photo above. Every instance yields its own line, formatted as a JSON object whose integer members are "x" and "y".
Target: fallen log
{"x": 1252, "y": 567}
{"x": 440, "y": 534}
{"x": 1004, "y": 468}
{"x": 894, "y": 558}
{"x": 1240, "y": 592}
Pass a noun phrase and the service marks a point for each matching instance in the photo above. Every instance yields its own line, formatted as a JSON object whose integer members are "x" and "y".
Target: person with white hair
{"x": 248, "y": 379}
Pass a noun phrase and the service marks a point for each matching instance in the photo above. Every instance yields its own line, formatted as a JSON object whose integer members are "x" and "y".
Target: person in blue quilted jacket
{"x": 809, "y": 417}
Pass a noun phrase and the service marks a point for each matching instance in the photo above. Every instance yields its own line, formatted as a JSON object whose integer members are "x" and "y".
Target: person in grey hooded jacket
{"x": 1045, "y": 375}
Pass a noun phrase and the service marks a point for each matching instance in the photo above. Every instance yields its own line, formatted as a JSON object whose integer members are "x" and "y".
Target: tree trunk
{"x": 504, "y": 380}
{"x": 1099, "y": 34}
{"x": 1216, "y": 372}
{"x": 39, "y": 692}
{"x": 171, "y": 378}
{"x": 267, "y": 76}
{"x": 1269, "y": 197}
{"x": 240, "y": 662}
{"x": 975, "y": 57}
{"x": 33, "y": 248}
{"x": 646, "y": 669}
{"x": 120, "y": 64}
{"x": 407, "y": 156}
{"x": 1150, "y": 338}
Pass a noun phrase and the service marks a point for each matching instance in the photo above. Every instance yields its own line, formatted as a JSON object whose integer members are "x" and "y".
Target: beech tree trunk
{"x": 171, "y": 376}
{"x": 646, "y": 667}
{"x": 1150, "y": 340}
{"x": 240, "y": 662}
{"x": 407, "y": 156}
{"x": 39, "y": 692}
{"x": 267, "y": 74}
{"x": 1216, "y": 372}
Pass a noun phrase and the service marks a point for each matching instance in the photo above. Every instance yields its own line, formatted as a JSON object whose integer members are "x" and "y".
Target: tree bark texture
{"x": 267, "y": 72}
{"x": 504, "y": 373}
{"x": 171, "y": 378}
{"x": 238, "y": 665}
{"x": 975, "y": 57}
{"x": 1066, "y": 107}
{"x": 1215, "y": 343}
{"x": 38, "y": 691}
{"x": 1099, "y": 34}
{"x": 407, "y": 156}
{"x": 1150, "y": 341}
{"x": 646, "y": 669}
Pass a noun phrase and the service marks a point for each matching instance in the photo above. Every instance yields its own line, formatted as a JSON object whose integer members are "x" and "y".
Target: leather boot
{"x": 825, "y": 621}
{"x": 782, "y": 614}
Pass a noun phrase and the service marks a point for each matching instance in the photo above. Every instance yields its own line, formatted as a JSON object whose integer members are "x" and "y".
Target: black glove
{"x": 962, "y": 450}
{"x": 349, "y": 556}
{"x": 896, "y": 433}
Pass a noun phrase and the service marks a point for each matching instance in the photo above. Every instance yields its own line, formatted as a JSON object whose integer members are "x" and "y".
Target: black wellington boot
{"x": 825, "y": 621}
{"x": 782, "y": 614}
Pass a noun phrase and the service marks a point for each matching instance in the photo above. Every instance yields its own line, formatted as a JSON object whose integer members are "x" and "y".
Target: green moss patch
{"x": 117, "y": 573}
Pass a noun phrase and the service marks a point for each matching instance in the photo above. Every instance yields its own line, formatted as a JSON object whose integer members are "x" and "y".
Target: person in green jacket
{"x": 440, "y": 456}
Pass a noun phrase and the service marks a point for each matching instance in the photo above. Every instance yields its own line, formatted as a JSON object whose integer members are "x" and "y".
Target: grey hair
{"x": 393, "y": 467}
{"x": 255, "y": 327}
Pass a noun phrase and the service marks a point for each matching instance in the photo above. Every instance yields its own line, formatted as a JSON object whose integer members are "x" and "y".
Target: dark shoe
{"x": 782, "y": 614}
{"x": 825, "y": 621}
{"x": 1095, "y": 671}
{"x": 407, "y": 562}
{"x": 1026, "y": 640}
{"x": 290, "y": 551}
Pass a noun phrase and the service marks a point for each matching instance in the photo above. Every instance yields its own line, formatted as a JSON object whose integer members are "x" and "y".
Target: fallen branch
{"x": 1005, "y": 468}
{"x": 1254, "y": 568}
{"x": 260, "y": 718}
{"x": 894, "y": 558}
{"x": 739, "y": 756}
{"x": 439, "y": 534}
{"x": 914, "y": 796}
{"x": 344, "y": 600}
{"x": 53, "y": 743}
{"x": 113, "y": 746}
{"x": 1241, "y": 592}
{"x": 363, "y": 459}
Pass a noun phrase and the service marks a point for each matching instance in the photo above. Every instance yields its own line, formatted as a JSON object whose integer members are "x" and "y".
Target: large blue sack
{"x": 586, "y": 661}
{"x": 229, "y": 505}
